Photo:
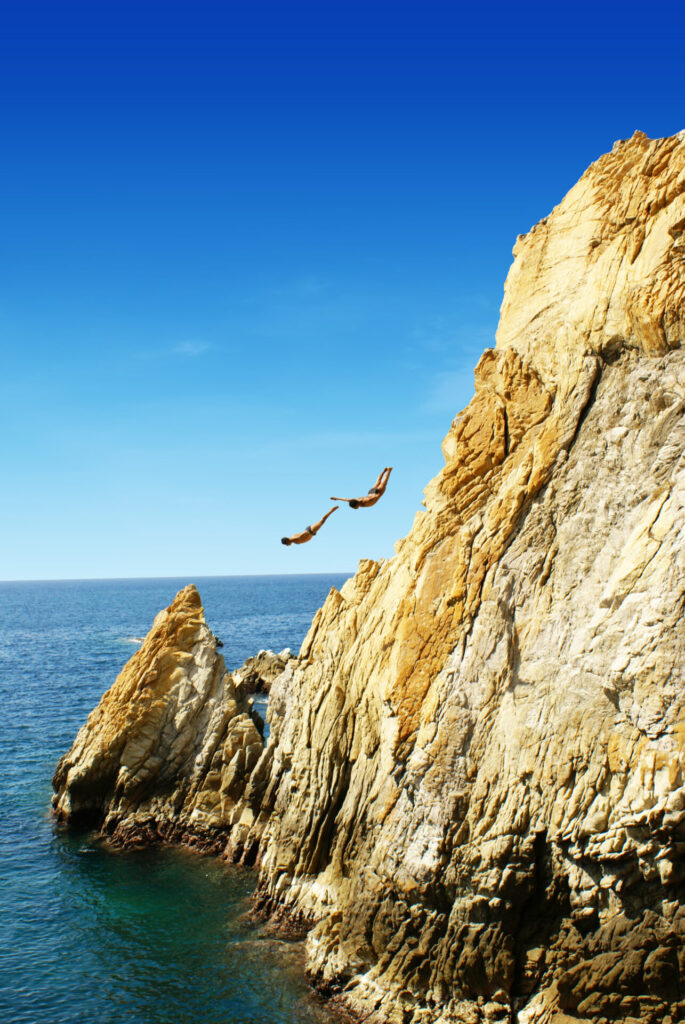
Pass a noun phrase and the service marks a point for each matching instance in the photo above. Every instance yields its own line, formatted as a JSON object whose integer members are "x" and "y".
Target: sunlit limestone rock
{"x": 473, "y": 789}
{"x": 167, "y": 752}
{"x": 477, "y": 789}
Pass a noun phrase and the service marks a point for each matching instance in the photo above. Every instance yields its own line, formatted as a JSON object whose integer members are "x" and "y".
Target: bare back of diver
{"x": 309, "y": 533}
{"x": 375, "y": 493}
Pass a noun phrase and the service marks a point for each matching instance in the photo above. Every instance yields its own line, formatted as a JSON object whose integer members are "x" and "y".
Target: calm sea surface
{"x": 91, "y": 936}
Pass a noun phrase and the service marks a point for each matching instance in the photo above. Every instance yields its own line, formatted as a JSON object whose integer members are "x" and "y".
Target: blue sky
{"x": 251, "y": 254}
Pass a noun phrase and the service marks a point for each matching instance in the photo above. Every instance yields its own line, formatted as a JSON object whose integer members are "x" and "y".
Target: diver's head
{"x": 286, "y": 540}
{"x": 354, "y": 503}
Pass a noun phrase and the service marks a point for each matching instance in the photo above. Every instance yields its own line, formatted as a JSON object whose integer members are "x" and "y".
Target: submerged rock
{"x": 473, "y": 791}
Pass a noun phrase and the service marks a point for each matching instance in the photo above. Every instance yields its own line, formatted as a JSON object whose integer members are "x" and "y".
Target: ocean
{"x": 92, "y": 936}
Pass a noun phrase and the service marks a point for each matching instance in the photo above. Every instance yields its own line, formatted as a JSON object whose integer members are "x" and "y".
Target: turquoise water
{"x": 89, "y": 935}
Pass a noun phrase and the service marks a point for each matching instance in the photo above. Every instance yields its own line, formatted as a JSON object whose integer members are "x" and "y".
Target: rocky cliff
{"x": 168, "y": 750}
{"x": 473, "y": 792}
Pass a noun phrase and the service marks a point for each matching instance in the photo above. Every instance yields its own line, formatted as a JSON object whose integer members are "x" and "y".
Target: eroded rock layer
{"x": 473, "y": 791}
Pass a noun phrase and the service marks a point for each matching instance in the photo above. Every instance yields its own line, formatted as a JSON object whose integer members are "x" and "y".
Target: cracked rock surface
{"x": 473, "y": 792}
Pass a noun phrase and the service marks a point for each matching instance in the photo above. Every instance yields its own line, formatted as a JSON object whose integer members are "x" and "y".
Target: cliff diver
{"x": 376, "y": 492}
{"x": 311, "y": 531}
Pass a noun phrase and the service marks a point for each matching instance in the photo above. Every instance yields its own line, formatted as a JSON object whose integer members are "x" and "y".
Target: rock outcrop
{"x": 257, "y": 673}
{"x": 168, "y": 750}
{"x": 473, "y": 791}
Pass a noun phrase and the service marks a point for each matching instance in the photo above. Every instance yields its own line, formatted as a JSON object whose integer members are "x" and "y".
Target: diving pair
{"x": 374, "y": 494}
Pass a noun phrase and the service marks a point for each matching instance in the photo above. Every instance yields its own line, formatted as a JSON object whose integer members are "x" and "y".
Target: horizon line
{"x": 217, "y": 576}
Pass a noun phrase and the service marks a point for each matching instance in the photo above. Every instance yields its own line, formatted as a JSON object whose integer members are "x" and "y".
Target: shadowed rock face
{"x": 473, "y": 791}
{"x": 257, "y": 673}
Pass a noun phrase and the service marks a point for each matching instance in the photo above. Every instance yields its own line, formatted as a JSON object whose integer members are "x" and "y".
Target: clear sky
{"x": 251, "y": 253}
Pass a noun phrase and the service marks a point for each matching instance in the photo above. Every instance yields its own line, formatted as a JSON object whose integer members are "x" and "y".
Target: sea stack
{"x": 473, "y": 791}
{"x": 167, "y": 752}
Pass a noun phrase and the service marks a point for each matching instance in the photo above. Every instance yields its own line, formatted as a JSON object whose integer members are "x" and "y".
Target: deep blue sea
{"x": 89, "y": 936}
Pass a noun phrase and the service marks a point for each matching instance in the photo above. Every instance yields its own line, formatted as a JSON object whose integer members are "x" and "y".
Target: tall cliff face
{"x": 479, "y": 791}
{"x": 474, "y": 791}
